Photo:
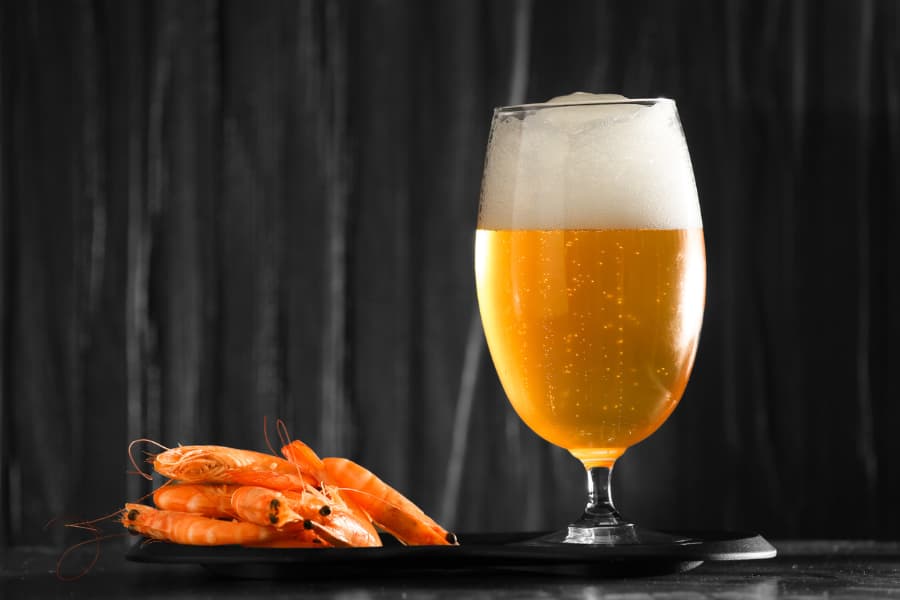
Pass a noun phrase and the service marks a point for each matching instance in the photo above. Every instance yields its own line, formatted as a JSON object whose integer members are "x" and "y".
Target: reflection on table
{"x": 802, "y": 569}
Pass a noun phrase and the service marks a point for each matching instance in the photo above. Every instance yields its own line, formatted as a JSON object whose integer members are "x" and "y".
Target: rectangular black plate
{"x": 475, "y": 552}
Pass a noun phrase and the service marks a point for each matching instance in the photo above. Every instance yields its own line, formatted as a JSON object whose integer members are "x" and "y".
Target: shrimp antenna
{"x": 86, "y": 525}
{"x": 89, "y": 526}
{"x": 138, "y": 470}
{"x": 283, "y": 435}
{"x": 151, "y": 492}
{"x": 96, "y": 540}
{"x": 266, "y": 435}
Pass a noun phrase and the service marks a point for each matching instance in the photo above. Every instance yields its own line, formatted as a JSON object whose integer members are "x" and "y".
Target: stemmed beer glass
{"x": 591, "y": 277}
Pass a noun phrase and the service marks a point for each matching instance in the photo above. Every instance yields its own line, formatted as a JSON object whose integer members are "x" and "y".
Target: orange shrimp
{"x": 329, "y": 516}
{"x": 263, "y": 506}
{"x": 197, "y": 530}
{"x": 388, "y": 508}
{"x": 209, "y": 500}
{"x": 220, "y": 464}
{"x": 306, "y": 459}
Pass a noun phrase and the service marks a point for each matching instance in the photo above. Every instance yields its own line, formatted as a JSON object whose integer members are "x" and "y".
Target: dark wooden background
{"x": 213, "y": 212}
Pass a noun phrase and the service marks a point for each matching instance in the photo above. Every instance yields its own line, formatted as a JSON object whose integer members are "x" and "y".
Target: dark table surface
{"x": 803, "y": 569}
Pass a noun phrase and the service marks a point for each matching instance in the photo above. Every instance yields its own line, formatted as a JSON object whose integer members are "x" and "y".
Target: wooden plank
{"x": 833, "y": 273}
{"x": 99, "y": 458}
{"x": 45, "y": 301}
{"x": 185, "y": 291}
{"x": 886, "y": 219}
{"x": 131, "y": 79}
{"x": 251, "y": 231}
{"x": 5, "y": 282}
{"x": 309, "y": 168}
{"x": 336, "y": 416}
{"x": 384, "y": 277}
{"x": 447, "y": 172}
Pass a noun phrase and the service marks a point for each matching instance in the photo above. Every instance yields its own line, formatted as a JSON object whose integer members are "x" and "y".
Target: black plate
{"x": 476, "y": 552}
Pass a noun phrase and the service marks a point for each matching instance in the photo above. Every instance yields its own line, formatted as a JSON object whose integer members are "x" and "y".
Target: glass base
{"x": 621, "y": 534}
{"x": 601, "y": 524}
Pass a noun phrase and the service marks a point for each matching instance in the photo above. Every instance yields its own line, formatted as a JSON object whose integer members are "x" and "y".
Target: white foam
{"x": 600, "y": 166}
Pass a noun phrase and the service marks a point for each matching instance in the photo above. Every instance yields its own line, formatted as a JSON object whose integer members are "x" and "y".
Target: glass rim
{"x": 515, "y": 108}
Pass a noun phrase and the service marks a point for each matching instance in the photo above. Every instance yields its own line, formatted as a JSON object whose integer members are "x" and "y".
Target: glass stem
{"x": 600, "y": 524}
{"x": 600, "y": 511}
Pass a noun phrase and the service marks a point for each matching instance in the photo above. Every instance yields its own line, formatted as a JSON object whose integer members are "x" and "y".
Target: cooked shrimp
{"x": 209, "y": 500}
{"x": 306, "y": 459}
{"x": 332, "y": 520}
{"x": 263, "y": 506}
{"x": 388, "y": 508}
{"x": 220, "y": 464}
{"x": 197, "y": 530}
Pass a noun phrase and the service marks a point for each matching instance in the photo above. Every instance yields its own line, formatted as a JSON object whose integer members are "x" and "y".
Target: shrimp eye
{"x": 451, "y": 537}
{"x": 133, "y": 514}
{"x": 325, "y": 511}
{"x": 307, "y": 524}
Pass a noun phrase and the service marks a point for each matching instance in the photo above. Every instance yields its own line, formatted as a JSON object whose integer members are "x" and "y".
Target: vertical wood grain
{"x": 93, "y": 458}
{"x": 184, "y": 290}
{"x": 5, "y": 243}
{"x": 448, "y": 82}
{"x": 833, "y": 268}
{"x": 864, "y": 317}
{"x": 133, "y": 129}
{"x": 384, "y": 284}
{"x": 44, "y": 289}
{"x": 887, "y": 260}
{"x": 308, "y": 134}
{"x": 251, "y": 220}
{"x": 316, "y": 177}
{"x": 337, "y": 421}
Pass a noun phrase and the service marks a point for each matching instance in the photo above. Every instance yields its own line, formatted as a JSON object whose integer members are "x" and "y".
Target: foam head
{"x": 587, "y": 161}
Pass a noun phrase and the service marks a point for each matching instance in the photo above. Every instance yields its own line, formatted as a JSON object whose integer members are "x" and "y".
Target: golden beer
{"x": 593, "y": 332}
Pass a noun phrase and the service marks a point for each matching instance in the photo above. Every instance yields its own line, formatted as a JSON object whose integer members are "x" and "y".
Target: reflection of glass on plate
{"x": 591, "y": 275}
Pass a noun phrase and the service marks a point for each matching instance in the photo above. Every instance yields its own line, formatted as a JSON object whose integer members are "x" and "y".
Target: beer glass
{"x": 591, "y": 278}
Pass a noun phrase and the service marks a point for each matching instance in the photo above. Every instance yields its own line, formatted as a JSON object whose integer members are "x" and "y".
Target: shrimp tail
{"x": 388, "y": 508}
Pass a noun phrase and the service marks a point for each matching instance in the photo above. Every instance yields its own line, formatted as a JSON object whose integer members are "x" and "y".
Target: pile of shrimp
{"x": 218, "y": 495}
